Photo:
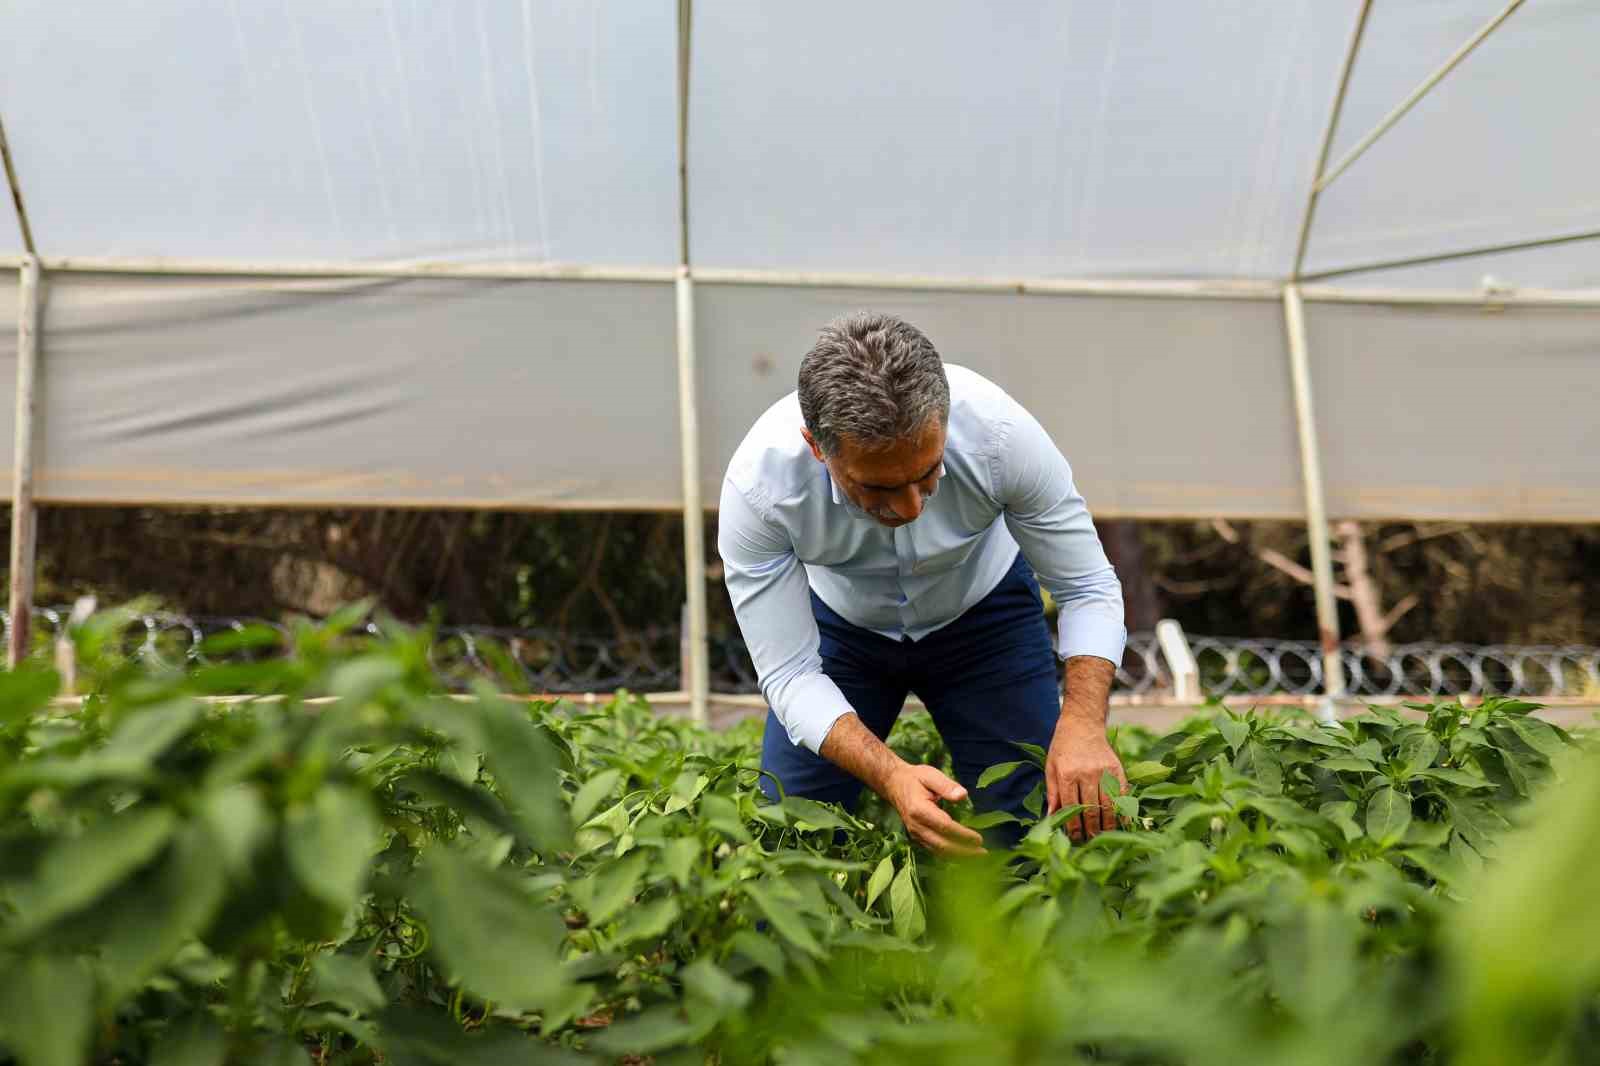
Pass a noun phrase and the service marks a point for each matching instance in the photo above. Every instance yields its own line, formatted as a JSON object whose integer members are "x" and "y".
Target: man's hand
{"x": 914, "y": 791}
{"x": 1077, "y": 760}
{"x": 1080, "y": 754}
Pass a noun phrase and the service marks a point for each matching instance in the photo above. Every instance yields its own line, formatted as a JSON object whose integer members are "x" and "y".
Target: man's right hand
{"x": 915, "y": 792}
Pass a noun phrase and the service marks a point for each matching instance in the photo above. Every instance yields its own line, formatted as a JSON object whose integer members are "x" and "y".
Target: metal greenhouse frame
{"x": 690, "y": 283}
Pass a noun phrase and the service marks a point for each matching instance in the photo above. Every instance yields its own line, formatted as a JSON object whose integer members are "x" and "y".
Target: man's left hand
{"x": 1080, "y": 755}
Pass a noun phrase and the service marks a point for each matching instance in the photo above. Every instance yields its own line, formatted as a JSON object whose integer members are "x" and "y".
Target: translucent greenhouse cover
{"x": 1096, "y": 139}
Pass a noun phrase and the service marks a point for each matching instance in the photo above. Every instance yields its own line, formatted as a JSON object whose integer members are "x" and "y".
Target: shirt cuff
{"x": 811, "y": 704}
{"x": 1091, "y": 633}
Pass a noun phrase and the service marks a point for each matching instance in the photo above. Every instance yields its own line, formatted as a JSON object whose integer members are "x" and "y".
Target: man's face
{"x": 891, "y": 484}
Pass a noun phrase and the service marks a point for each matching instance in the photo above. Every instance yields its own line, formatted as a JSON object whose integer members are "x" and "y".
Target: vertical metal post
{"x": 24, "y": 517}
{"x": 1180, "y": 661}
{"x": 697, "y": 682}
{"x": 1316, "y": 508}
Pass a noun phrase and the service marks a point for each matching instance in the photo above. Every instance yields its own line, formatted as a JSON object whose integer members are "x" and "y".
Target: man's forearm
{"x": 1087, "y": 697}
{"x": 854, "y": 748}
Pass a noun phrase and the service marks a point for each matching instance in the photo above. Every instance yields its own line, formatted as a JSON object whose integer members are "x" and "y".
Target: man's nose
{"x": 908, "y": 503}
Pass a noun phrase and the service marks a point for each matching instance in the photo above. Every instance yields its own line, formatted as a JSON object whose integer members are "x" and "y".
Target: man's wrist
{"x": 1081, "y": 719}
{"x": 852, "y": 747}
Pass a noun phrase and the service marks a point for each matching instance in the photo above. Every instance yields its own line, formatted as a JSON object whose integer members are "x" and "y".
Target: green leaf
{"x": 280, "y": 1051}
{"x": 240, "y": 824}
{"x": 79, "y": 870}
{"x": 1370, "y": 750}
{"x": 1475, "y": 821}
{"x": 1147, "y": 773}
{"x": 524, "y": 764}
{"x": 1034, "y": 802}
{"x": 763, "y": 951}
{"x": 709, "y": 984}
{"x": 1235, "y": 731}
{"x": 1539, "y": 735}
{"x": 881, "y": 876}
{"x": 678, "y": 856}
{"x": 1039, "y": 755}
{"x": 500, "y": 942}
{"x": 905, "y": 905}
{"x": 47, "y": 1011}
{"x": 990, "y": 819}
{"x": 785, "y": 919}
{"x": 592, "y": 793}
{"x": 330, "y": 843}
{"x": 1417, "y": 752}
{"x": 807, "y": 814}
{"x": 1509, "y": 706}
{"x": 1000, "y": 771}
{"x": 1343, "y": 815}
{"x": 1388, "y": 815}
{"x": 722, "y": 814}
{"x": 346, "y": 980}
{"x": 24, "y": 692}
{"x": 612, "y": 887}
{"x": 146, "y": 733}
{"x": 161, "y": 909}
{"x": 685, "y": 790}
{"x": 1347, "y": 764}
{"x": 359, "y": 680}
{"x": 1459, "y": 778}
{"x": 1266, "y": 766}
{"x": 467, "y": 800}
{"x": 646, "y": 1033}
{"x": 1427, "y": 834}
{"x": 197, "y": 1042}
{"x": 648, "y": 921}
{"x": 459, "y": 764}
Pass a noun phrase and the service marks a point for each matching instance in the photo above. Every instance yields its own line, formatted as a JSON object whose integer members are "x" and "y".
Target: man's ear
{"x": 812, "y": 441}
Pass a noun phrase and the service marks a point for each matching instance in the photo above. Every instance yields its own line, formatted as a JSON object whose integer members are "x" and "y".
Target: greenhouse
{"x": 1244, "y": 260}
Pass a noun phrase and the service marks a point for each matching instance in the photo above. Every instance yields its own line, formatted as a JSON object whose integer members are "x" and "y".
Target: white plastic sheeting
{"x": 1458, "y": 413}
{"x": 1098, "y": 139}
{"x": 1503, "y": 150}
{"x": 1083, "y": 139}
{"x": 503, "y": 129}
{"x": 1153, "y": 425}
{"x": 423, "y": 392}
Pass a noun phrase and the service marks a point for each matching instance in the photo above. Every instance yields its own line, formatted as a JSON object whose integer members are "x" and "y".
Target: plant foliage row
{"x": 360, "y": 868}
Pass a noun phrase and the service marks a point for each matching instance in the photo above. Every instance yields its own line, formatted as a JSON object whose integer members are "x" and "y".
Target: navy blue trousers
{"x": 987, "y": 679}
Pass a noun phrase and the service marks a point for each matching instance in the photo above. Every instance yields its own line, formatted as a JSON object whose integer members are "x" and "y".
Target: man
{"x": 870, "y": 533}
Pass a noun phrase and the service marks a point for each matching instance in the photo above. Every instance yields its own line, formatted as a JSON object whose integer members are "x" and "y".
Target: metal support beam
{"x": 16, "y": 191}
{"x": 24, "y": 517}
{"x": 1316, "y": 507}
{"x": 697, "y": 682}
{"x": 694, "y": 534}
{"x": 1446, "y": 257}
{"x": 1151, "y": 288}
{"x": 1327, "y": 135}
{"x": 1399, "y": 112}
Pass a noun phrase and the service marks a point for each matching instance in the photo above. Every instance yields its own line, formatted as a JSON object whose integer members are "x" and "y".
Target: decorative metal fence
{"x": 648, "y": 660}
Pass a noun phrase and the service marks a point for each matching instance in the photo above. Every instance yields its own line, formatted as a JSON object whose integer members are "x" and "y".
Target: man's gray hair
{"x": 871, "y": 377}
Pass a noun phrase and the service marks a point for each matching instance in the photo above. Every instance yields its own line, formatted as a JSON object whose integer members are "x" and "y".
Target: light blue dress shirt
{"x": 785, "y": 526}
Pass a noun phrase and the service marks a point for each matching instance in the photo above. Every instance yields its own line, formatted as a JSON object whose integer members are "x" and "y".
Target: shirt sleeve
{"x": 1051, "y": 524}
{"x": 767, "y": 584}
